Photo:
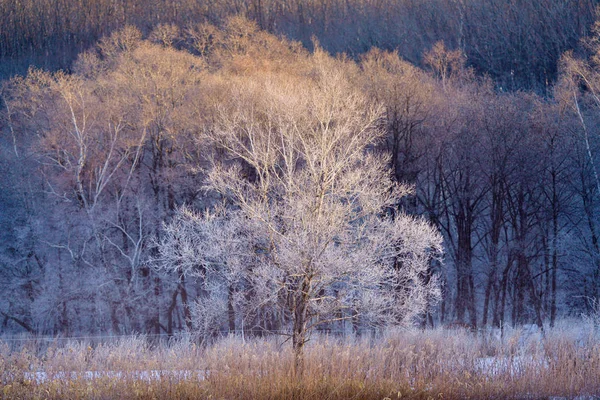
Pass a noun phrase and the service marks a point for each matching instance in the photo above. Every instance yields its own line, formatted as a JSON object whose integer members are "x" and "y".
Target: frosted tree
{"x": 311, "y": 222}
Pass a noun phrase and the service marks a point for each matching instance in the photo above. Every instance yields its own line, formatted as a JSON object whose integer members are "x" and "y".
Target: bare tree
{"x": 308, "y": 227}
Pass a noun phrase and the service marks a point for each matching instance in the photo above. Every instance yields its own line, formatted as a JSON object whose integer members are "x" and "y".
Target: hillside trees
{"x": 517, "y": 42}
{"x": 107, "y": 140}
{"x": 406, "y": 94}
{"x": 21, "y": 261}
{"x": 491, "y": 171}
{"x": 578, "y": 92}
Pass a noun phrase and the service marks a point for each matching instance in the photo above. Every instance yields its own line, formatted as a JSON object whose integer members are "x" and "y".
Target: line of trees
{"x": 517, "y": 42}
{"x": 96, "y": 161}
{"x": 510, "y": 179}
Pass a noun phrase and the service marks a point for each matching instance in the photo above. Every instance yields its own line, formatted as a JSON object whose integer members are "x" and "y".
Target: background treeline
{"x": 94, "y": 161}
{"x": 516, "y": 42}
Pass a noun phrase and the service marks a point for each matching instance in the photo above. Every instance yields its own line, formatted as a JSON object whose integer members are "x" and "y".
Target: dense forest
{"x": 488, "y": 111}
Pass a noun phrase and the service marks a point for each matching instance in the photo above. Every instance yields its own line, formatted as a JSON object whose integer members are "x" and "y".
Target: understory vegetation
{"x": 417, "y": 364}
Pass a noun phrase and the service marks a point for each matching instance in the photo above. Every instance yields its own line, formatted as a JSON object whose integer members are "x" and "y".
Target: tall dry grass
{"x": 449, "y": 364}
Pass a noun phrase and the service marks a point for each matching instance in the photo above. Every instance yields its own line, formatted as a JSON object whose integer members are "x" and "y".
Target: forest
{"x": 136, "y": 138}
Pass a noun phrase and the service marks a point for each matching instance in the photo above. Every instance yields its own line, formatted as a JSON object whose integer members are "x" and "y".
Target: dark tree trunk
{"x": 300, "y": 314}
{"x": 184, "y": 302}
{"x": 170, "y": 311}
{"x": 230, "y": 309}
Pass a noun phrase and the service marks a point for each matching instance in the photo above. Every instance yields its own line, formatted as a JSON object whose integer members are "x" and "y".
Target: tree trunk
{"x": 488, "y": 295}
{"x": 465, "y": 294}
{"x": 157, "y": 299}
{"x": 184, "y": 302}
{"x": 230, "y": 309}
{"x": 170, "y": 312}
{"x": 300, "y": 312}
{"x": 555, "y": 210}
{"x": 503, "y": 293}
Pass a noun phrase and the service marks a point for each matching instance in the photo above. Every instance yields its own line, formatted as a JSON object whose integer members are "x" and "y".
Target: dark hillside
{"x": 516, "y": 42}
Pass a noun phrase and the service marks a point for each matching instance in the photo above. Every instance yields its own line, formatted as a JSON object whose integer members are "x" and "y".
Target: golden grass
{"x": 415, "y": 364}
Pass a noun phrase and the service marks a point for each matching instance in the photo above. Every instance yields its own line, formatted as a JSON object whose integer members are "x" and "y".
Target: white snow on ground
{"x": 512, "y": 366}
{"x": 154, "y": 375}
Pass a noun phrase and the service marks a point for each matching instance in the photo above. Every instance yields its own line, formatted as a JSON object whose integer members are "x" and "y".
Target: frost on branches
{"x": 308, "y": 230}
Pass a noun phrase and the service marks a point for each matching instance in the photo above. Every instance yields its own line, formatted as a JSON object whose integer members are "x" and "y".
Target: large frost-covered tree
{"x": 309, "y": 221}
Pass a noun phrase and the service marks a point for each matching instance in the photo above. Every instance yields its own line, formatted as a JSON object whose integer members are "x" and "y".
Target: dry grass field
{"x": 415, "y": 364}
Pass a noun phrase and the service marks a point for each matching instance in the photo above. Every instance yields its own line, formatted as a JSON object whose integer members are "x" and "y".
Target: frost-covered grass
{"x": 418, "y": 364}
